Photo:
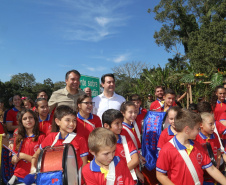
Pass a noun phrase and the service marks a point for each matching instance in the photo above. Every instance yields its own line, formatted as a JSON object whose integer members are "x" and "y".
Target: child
{"x": 105, "y": 168}
{"x": 112, "y": 120}
{"x": 45, "y": 119}
{"x": 65, "y": 123}
{"x": 168, "y": 133}
{"x": 28, "y": 103}
{"x": 207, "y": 135}
{"x": 25, "y": 145}
{"x": 141, "y": 112}
{"x": 181, "y": 151}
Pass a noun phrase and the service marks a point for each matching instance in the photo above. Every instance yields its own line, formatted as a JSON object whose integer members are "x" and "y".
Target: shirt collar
{"x": 219, "y": 102}
{"x": 15, "y": 109}
{"x": 96, "y": 168}
{"x": 102, "y": 95}
{"x": 179, "y": 146}
{"x": 127, "y": 125}
{"x": 119, "y": 139}
{"x": 80, "y": 117}
{"x": 139, "y": 111}
{"x": 170, "y": 132}
{"x": 29, "y": 136}
{"x": 60, "y": 137}
{"x": 205, "y": 137}
{"x": 47, "y": 118}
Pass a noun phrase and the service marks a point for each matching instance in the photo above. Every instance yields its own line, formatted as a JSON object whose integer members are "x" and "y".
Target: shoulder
{"x": 80, "y": 92}
{"x": 86, "y": 169}
{"x": 97, "y": 98}
{"x": 119, "y": 97}
{"x": 59, "y": 91}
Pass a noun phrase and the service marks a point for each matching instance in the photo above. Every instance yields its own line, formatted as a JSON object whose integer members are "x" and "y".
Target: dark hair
{"x": 111, "y": 115}
{"x": 192, "y": 106}
{"x": 72, "y": 71}
{"x": 159, "y": 86}
{"x": 105, "y": 75}
{"x": 22, "y": 131}
{"x": 174, "y": 108}
{"x": 38, "y": 100}
{"x": 60, "y": 112}
{"x": 81, "y": 99}
{"x": 135, "y": 97}
{"x": 30, "y": 101}
{"x": 126, "y": 104}
{"x": 16, "y": 95}
{"x": 1, "y": 101}
{"x": 186, "y": 118}
{"x": 214, "y": 96}
{"x": 41, "y": 90}
{"x": 204, "y": 107}
{"x": 169, "y": 91}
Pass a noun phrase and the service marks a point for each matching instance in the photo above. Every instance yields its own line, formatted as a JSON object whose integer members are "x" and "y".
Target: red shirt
{"x": 171, "y": 162}
{"x": 156, "y": 106}
{"x": 140, "y": 117}
{"x": 222, "y": 116}
{"x": 11, "y": 116}
{"x": 220, "y": 128}
{"x": 78, "y": 142}
{"x": 165, "y": 136}
{"x": 45, "y": 126}
{"x": 93, "y": 176}
{"x": 125, "y": 133}
{"x": 219, "y": 109}
{"x": 28, "y": 147}
{"x": 1, "y": 129}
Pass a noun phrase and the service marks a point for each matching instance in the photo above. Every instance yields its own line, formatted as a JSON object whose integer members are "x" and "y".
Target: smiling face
{"x": 159, "y": 93}
{"x": 73, "y": 82}
{"x": 17, "y": 101}
{"x": 28, "y": 121}
{"x": 43, "y": 108}
{"x": 169, "y": 99}
{"x": 42, "y": 95}
{"x": 221, "y": 93}
{"x": 109, "y": 84}
{"x": 85, "y": 107}
{"x": 116, "y": 126}
{"x": 171, "y": 117}
{"x": 130, "y": 114}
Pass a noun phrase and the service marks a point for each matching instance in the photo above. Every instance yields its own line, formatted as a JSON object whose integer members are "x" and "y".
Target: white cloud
{"x": 95, "y": 69}
{"x": 121, "y": 58}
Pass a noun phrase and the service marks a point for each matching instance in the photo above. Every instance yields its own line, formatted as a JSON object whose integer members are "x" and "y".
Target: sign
{"x": 92, "y": 82}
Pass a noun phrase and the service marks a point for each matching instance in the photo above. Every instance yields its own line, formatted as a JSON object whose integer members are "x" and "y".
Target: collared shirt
{"x": 219, "y": 109}
{"x": 45, "y": 126}
{"x": 140, "y": 117}
{"x": 63, "y": 97}
{"x": 11, "y": 116}
{"x": 166, "y": 135}
{"x": 103, "y": 103}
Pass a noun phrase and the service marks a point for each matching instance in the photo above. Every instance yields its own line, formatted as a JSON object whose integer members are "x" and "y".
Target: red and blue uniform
{"x": 93, "y": 176}
{"x": 140, "y": 117}
{"x": 165, "y": 136}
{"x": 11, "y": 116}
{"x": 170, "y": 162}
{"x": 219, "y": 109}
{"x": 156, "y": 105}
{"x": 28, "y": 147}
{"x": 45, "y": 126}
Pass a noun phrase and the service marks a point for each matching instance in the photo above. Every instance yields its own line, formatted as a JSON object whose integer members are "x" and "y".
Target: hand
{"x": 15, "y": 159}
{"x": 140, "y": 176}
{"x": 33, "y": 170}
{"x": 142, "y": 159}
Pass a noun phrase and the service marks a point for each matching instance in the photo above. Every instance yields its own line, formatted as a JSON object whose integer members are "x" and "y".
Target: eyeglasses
{"x": 89, "y": 103}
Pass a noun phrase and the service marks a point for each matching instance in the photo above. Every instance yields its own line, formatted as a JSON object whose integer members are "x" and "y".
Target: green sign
{"x": 92, "y": 82}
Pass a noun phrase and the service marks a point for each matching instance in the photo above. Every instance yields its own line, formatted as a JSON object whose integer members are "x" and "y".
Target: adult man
{"x": 68, "y": 95}
{"x": 108, "y": 99}
{"x": 88, "y": 91}
{"x": 158, "y": 103}
{"x": 148, "y": 102}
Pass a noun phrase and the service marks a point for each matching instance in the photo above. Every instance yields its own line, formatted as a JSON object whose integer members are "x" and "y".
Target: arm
{"x": 134, "y": 161}
{"x": 163, "y": 178}
{"x": 34, "y": 160}
{"x": 10, "y": 126}
{"x": 223, "y": 122}
{"x": 84, "y": 160}
{"x": 216, "y": 174}
{"x": 24, "y": 156}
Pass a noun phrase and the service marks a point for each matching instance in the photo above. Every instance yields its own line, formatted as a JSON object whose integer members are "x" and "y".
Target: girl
{"x": 218, "y": 102}
{"x": 25, "y": 145}
{"x": 28, "y": 103}
{"x": 11, "y": 120}
{"x": 131, "y": 131}
{"x": 65, "y": 124}
{"x": 169, "y": 132}
{"x": 86, "y": 121}
{"x": 45, "y": 120}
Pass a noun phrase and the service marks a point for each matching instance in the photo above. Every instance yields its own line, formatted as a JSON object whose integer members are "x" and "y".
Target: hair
{"x": 159, "y": 86}
{"x": 41, "y": 90}
{"x": 169, "y": 91}
{"x": 38, "y": 100}
{"x": 30, "y": 101}
{"x": 135, "y": 97}
{"x": 186, "y": 118}
{"x": 205, "y": 115}
{"x": 204, "y": 107}
{"x": 105, "y": 75}
{"x": 59, "y": 113}
{"x": 126, "y": 104}
{"x": 16, "y": 95}
{"x": 214, "y": 96}
{"x": 72, "y": 71}
{"x": 21, "y": 129}
{"x": 81, "y": 99}
{"x": 192, "y": 107}
{"x": 100, "y": 138}
{"x": 174, "y": 108}
{"x": 111, "y": 115}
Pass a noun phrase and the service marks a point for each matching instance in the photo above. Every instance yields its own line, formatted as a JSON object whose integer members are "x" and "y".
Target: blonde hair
{"x": 101, "y": 137}
{"x": 206, "y": 115}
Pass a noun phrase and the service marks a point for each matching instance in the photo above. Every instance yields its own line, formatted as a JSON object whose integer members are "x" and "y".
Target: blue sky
{"x": 50, "y": 37}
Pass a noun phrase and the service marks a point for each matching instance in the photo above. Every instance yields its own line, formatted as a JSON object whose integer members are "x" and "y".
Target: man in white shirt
{"x": 108, "y": 99}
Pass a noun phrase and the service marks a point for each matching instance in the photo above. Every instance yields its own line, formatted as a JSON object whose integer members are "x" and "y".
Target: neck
{"x": 29, "y": 132}
{"x": 173, "y": 130}
{"x": 84, "y": 114}
{"x": 221, "y": 101}
{"x": 160, "y": 98}
{"x": 182, "y": 138}
{"x": 72, "y": 91}
{"x": 128, "y": 122}
{"x": 106, "y": 167}
{"x": 205, "y": 134}
{"x": 63, "y": 134}
{"x": 116, "y": 135}
{"x": 108, "y": 94}
{"x": 42, "y": 117}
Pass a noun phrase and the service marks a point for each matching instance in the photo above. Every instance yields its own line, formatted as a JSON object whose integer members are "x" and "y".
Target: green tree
{"x": 23, "y": 79}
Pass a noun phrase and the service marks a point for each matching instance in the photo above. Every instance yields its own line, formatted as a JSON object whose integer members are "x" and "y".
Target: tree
{"x": 23, "y": 79}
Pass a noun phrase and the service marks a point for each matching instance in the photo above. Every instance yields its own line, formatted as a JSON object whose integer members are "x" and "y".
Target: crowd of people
{"x": 106, "y": 133}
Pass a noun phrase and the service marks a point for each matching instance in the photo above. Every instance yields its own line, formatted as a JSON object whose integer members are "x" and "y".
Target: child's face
{"x": 169, "y": 99}
{"x": 105, "y": 156}
{"x": 67, "y": 124}
{"x": 193, "y": 132}
{"x": 207, "y": 126}
{"x": 171, "y": 117}
{"x": 43, "y": 108}
{"x": 86, "y": 106}
{"x": 28, "y": 121}
{"x": 221, "y": 94}
{"x": 116, "y": 126}
{"x": 137, "y": 104}
{"x": 27, "y": 105}
{"x": 130, "y": 114}
{"x": 17, "y": 101}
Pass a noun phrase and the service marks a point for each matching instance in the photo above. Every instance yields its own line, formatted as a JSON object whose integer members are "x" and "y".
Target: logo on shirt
{"x": 123, "y": 153}
{"x": 119, "y": 180}
{"x": 36, "y": 147}
{"x": 199, "y": 158}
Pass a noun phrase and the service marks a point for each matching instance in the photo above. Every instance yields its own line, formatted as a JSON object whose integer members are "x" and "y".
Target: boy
{"x": 105, "y": 168}
{"x": 141, "y": 112}
{"x": 181, "y": 151}
{"x": 112, "y": 120}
